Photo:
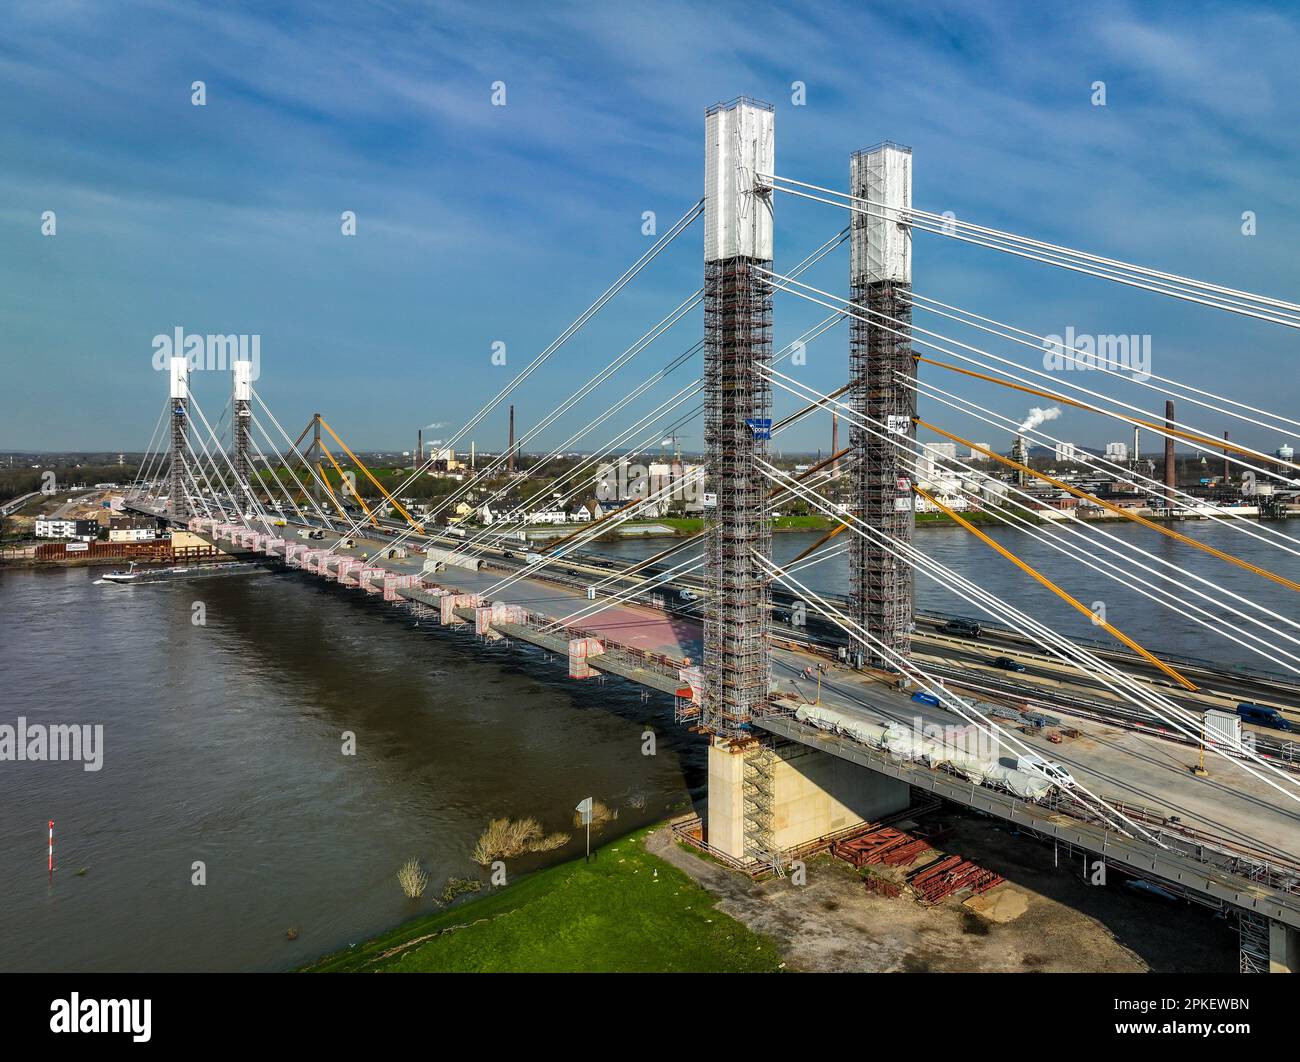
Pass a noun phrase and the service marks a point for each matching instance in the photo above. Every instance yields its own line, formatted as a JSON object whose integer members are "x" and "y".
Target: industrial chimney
{"x": 1171, "y": 472}
{"x": 1020, "y": 455}
{"x": 835, "y": 442}
{"x": 511, "y": 450}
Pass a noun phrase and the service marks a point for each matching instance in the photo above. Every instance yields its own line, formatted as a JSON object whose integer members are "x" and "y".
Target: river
{"x": 223, "y": 745}
{"x": 1154, "y": 625}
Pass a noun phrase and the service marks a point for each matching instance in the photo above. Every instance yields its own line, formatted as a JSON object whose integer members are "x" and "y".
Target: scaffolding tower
{"x": 880, "y": 368}
{"x": 738, "y": 404}
{"x": 241, "y": 424}
{"x": 1253, "y": 942}
{"x": 178, "y": 488}
{"x": 758, "y": 793}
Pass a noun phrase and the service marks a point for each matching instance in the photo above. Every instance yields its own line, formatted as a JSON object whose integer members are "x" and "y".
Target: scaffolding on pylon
{"x": 880, "y": 368}
{"x": 1253, "y": 942}
{"x": 738, "y": 402}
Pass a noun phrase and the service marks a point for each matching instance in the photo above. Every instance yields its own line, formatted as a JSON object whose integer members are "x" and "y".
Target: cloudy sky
{"x": 481, "y": 224}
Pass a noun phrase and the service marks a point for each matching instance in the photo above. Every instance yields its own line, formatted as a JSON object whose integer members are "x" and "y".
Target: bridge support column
{"x": 178, "y": 487}
{"x": 242, "y": 424}
{"x": 316, "y": 455}
{"x": 1266, "y": 946}
{"x": 797, "y": 795}
{"x": 1283, "y": 948}
{"x": 739, "y": 145}
{"x": 880, "y": 365}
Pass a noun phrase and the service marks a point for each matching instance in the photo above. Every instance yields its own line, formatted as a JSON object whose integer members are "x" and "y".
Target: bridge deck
{"x": 1118, "y": 765}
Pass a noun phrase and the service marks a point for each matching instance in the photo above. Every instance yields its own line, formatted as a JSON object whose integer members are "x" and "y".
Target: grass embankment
{"x": 625, "y": 911}
{"x": 689, "y": 525}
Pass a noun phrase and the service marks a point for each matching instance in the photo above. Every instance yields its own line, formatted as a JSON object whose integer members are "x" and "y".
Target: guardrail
{"x": 1193, "y": 865}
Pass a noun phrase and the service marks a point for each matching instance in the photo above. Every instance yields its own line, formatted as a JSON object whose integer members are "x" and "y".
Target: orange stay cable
{"x": 1084, "y": 495}
{"x": 1062, "y": 594}
{"x": 1153, "y": 425}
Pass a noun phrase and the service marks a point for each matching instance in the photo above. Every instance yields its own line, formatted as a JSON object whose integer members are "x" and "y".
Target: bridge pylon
{"x": 881, "y": 589}
{"x": 178, "y": 487}
{"x": 241, "y": 430}
{"x": 738, "y": 237}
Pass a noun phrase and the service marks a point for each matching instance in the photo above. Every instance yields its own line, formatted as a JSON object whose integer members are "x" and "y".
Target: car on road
{"x": 928, "y": 698}
{"x": 1031, "y": 763}
{"x": 1263, "y": 715}
{"x": 1007, "y": 664}
{"x": 961, "y": 628}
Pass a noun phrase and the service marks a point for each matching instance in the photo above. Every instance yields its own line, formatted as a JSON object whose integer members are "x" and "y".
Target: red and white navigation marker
{"x": 51, "y": 850}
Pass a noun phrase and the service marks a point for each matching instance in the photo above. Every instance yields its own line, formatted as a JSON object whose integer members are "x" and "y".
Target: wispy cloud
{"x": 480, "y": 224}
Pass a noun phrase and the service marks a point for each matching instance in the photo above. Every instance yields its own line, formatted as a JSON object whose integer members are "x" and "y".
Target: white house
{"x": 59, "y": 527}
{"x": 132, "y": 529}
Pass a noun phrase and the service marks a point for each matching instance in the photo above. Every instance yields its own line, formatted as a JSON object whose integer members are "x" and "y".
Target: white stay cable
{"x": 936, "y": 688}
{"x": 677, "y": 229}
{"x": 594, "y": 382}
{"x": 1077, "y": 656}
{"x": 1125, "y": 551}
{"x": 275, "y": 450}
{"x": 1232, "y": 300}
{"x": 911, "y": 332}
{"x": 148, "y": 452}
{"x": 1096, "y": 362}
{"x": 855, "y": 417}
{"x": 1263, "y": 533}
{"x": 315, "y": 476}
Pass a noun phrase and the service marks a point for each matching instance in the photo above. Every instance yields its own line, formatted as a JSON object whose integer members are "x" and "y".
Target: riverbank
{"x": 649, "y": 903}
{"x": 625, "y": 911}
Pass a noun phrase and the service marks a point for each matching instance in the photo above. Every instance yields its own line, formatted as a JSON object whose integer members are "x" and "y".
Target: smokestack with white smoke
{"x": 1039, "y": 416}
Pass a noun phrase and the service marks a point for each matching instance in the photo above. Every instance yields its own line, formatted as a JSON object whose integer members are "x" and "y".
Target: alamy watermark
{"x": 1090, "y": 353}
{"x": 57, "y": 742}
{"x": 210, "y": 352}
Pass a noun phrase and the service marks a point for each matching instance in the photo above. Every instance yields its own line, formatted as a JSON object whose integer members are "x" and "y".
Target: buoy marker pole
{"x": 51, "y": 862}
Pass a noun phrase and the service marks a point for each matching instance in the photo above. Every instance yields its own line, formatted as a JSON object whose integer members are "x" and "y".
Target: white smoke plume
{"x": 1039, "y": 416}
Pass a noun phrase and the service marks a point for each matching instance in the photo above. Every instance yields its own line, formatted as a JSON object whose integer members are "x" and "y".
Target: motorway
{"x": 1053, "y": 684}
{"x": 14, "y": 504}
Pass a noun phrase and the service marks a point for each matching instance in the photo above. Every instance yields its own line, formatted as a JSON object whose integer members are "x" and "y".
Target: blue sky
{"x": 479, "y": 224}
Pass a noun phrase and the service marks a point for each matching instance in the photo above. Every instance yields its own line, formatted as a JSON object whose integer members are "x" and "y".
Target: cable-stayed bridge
{"x": 799, "y": 751}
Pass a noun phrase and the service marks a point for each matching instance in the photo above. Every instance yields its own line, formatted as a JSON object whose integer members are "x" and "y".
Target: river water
{"x": 1154, "y": 625}
{"x": 223, "y": 745}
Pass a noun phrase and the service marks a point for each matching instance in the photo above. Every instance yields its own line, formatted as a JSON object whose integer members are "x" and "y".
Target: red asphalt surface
{"x": 633, "y": 625}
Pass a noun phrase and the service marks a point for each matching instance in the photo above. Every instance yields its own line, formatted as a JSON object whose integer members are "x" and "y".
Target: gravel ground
{"x": 1042, "y": 919}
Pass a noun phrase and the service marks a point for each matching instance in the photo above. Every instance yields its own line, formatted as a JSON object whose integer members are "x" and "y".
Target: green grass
{"x": 625, "y": 911}
{"x": 803, "y": 523}
{"x": 977, "y": 518}
{"x": 688, "y": 525}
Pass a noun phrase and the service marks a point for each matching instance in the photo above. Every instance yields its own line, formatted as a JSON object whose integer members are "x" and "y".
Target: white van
{"x": 1031, "y": 763}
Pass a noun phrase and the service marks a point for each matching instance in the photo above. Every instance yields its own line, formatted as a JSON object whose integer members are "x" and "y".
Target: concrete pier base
{"x": 1283, "y": 948}
{"x": 811, "y": 794}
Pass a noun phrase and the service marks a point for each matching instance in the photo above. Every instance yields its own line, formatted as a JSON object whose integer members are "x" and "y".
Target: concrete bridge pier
{"x": 1283, "y": 948}
{"x": 787, "y": 794}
